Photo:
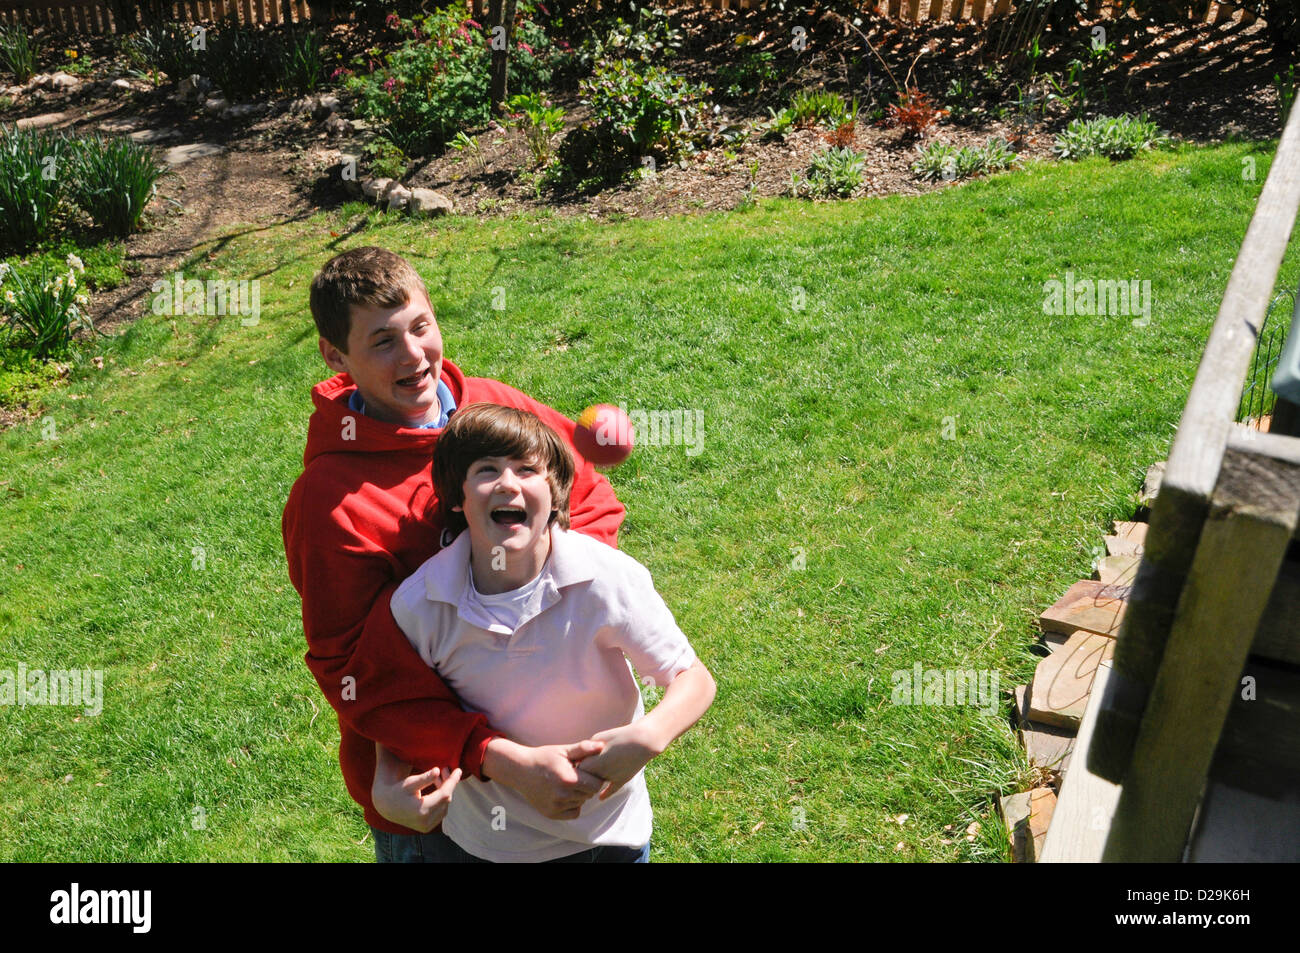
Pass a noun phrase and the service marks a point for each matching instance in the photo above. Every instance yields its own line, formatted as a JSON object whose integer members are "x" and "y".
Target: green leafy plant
{"x": 76, "y": 64}
{"x": 637, "y": 111}
{"x": 1285, "y": 84}
{"x": 748, "y": 77}
{"x": 41, "y": 311}
{"x": 832, "y": 172}
{"x": 436, "y": 83}
{"x": 539, "y": 121}
{"x": 167, "y": 48}
{"x": 468, "y": 149}
{"x": 385, "y": 159}
{"x": 33, "y": 181}
{"x": 819, "y": 107}
{"x": 301, "y": 62}
{"x": 652, "y": 37}
{"x": 1116, "y": 137}
{"x": 113, "y": 180}
{"x": 939, "y": 160}
{"x": 19, "y": 52}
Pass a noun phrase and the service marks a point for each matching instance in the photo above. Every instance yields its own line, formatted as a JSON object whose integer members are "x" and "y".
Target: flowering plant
{"x": 40, "y": 314}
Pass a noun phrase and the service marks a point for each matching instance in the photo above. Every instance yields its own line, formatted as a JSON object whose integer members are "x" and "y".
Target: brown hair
{"x": 490, "y": 430}
{"x": 370, "y": 277}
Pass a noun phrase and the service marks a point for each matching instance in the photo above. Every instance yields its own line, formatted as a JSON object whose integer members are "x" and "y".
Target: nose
{"x": 412, "y": 350}
{"x": 508, "y": 480}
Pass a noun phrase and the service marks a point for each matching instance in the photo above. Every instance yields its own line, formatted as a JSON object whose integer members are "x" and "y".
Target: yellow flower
{"x": 9, "y": 297}
{"x": 72, "y": 54}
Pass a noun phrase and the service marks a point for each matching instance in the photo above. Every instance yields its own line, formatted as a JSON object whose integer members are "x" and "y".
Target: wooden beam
{"x": 936, "y": 10}
{"x": 1259, "y": 750}
{"x": 1253, "y": 514}
{"x": 1083, "y": 811}
{"x": 1179, "y": 511}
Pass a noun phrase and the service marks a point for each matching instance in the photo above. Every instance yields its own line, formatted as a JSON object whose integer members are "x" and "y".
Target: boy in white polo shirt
{"x": 534, "y": 625}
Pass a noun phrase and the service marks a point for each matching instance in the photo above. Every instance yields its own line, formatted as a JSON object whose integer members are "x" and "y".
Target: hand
{"x": 547, "y": 777}
{"x": 396, "y": 792}
{"x": 628, "y": 749}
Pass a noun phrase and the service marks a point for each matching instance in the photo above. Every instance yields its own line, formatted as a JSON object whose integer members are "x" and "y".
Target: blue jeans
{"x": 438, "y": 848}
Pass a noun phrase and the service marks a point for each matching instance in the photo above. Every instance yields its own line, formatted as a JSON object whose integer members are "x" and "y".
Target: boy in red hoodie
{"x": 363, "y": 516}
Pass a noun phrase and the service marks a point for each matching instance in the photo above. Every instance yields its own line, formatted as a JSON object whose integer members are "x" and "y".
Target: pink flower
{"x": 525, "y": 46}
{"x": 473, "y": 24}
{"x": 543, "y": 9}
{"x": 562, "y": 45}
{"x": 392, "y": 21}
{"x": 463, "y": 32}
{"x": 389, "y": 84}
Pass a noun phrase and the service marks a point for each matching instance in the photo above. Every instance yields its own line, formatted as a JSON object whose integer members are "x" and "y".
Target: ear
{"x": 336, "y": 359}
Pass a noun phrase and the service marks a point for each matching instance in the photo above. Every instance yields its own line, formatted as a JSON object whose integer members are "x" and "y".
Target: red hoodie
{"x": 362, "y": 517}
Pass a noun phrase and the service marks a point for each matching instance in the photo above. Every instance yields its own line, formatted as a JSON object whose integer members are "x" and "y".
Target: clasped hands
{"x": 555, "y": 779}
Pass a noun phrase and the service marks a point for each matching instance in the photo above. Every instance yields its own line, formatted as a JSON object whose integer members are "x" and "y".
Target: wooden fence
{"x": 95, "y": 16}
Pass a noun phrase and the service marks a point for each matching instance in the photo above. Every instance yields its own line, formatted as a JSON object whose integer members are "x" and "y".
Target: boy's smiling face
{"x": 395, "y": 357}
{"x": 508, "y": 505}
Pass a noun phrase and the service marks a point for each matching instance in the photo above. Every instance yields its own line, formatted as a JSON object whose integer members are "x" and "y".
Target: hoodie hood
{"x": 337, "y": 428}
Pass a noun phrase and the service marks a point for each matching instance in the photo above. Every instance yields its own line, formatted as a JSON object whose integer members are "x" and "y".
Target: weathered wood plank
{"x": 1238, "y": 826}
{"x": 1259, "y": 750}
{"x": 1178, "y": 513}
{"x": 1083, "y": 811}
{"x": 1252, "y": 516}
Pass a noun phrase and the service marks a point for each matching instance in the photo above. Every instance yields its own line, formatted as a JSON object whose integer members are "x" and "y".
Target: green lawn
{"x": 824, "y": 443}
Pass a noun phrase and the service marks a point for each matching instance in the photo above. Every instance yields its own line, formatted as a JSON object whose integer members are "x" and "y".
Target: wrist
{"x": 650, "y": 735}
{"x": 502, "y": 759}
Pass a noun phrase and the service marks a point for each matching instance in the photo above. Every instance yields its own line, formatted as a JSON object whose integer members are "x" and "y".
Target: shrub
{"x": 437, "y": 82}
{"x": 651, "y": 38}
{"x": 42, "y": 313}
{"x": 841, "y": 137}
{"x": 832, "y": 172}
{"x": 113, "y": 180}
{"x": 939, "y": 160}
{"x": 33, "y": 174}
{"x": 914, "y": 113}
{"x": 385, "y": 159}
{"x": 637, "y": 111}
{"x": 1118, "y": 137}
{"x": 18, "y": 52}
{"x": 166, "y": 48}
{"x": 1285, "y": 85}
{"x": 539, "y": 121}
{"x": 244, "y": 62}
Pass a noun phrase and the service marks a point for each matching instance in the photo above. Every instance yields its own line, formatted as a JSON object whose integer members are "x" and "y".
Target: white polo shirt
{"x": 558, "y": 676}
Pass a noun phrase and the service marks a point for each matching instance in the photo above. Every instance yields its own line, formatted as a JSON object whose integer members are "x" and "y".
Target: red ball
{"x": 604, "y": 435}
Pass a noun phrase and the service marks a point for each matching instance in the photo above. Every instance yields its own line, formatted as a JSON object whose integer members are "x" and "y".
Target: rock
{"x": 1015, "y": 815}
{"x": 1088, "y": 605}
{"x": 429, "y": 203}
{"x": 1117, "y": 570}
{"x": 374, "y": 188}
{"x": 398, "y": 197}
{"x": 303, "y": 104}
{"x": 39, "y": 81}
{"x": 1062, "y": 682}
{"x": 187, "y": 89}
{"x": 178, "y": 155}
{"x": 337, "y": 126}
{"x": 1042, "y": 804}
{"x": 40, "y": 122}
{"x": 121, "y": 84}
{"x": 216, "y": 106}
{"x": 1129, "y": 539}
{"x": 244, "y": 110}
{"x": 14, "y": 92}
{"x": 324, "y": 106}
{"x": 153, "y": 135}
{"x": 1151, "y": 485}
{"x": 65, "y": 81}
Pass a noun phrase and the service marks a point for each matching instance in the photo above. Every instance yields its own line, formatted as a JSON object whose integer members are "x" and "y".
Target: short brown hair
{"x": 370, "y": 277}
{"x": 490, "y": 430}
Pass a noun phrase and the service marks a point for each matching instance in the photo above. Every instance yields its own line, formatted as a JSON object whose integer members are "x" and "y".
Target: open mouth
{"x": 415, "y": 380}
{"x": 508, "y": 516}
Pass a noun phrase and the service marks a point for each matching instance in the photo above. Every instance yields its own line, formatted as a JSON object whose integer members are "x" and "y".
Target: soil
{"x": 1200, "y": 82}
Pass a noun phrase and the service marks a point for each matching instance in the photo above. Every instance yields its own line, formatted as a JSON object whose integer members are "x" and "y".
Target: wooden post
{"x": 1253, "y": 515}
{"x": 1180, "y": 510}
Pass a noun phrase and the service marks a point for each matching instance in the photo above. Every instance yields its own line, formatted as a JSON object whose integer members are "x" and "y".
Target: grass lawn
{"x": 145, "y": 539}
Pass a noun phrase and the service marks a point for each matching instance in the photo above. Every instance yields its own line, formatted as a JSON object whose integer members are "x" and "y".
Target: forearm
{"x": 685, "y": 701}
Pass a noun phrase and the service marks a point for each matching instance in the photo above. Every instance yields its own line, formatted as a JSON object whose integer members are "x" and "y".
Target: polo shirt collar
{"x": 568, "y": 565}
